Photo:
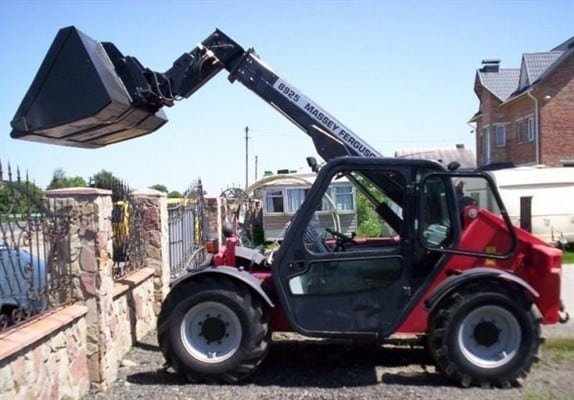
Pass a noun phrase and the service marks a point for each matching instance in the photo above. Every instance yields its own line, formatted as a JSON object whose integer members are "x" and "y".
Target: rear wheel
{"x": 213, "y": 330}
{"x": 485, "y": 334}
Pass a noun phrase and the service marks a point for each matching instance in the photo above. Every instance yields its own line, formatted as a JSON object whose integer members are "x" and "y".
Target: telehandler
{"x": 459, "y": 279}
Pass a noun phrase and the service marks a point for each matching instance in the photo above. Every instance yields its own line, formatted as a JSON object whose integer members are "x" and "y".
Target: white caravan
{"x": 544, "y": 194}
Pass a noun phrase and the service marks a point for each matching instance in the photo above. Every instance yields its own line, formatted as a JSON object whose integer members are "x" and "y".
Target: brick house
{"x": 526, "y": 114}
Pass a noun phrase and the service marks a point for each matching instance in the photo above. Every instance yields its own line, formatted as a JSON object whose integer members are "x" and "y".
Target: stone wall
{"x": 46, "y": 359}
{"x": 133, "y": 311}
{"x": 64, "y": 353}
{"x": 156, "y": 231}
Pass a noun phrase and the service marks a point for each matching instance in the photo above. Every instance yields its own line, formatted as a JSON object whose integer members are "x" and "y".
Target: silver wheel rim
{"x": 489, "y": 336}
{"x": 211, "y": 332}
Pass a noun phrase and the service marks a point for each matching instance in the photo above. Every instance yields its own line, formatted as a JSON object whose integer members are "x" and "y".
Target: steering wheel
{"x": 341, "y": 239}
{"x": 313, "y": 240}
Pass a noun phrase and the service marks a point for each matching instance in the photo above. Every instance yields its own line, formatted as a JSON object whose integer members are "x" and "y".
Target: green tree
{"x": 369, "y": 223}
{"x": 174, "y": 194}
{"x": 106, "y": 180}
{"x": 20, "y": 198}
{"x": 60, "y": 180}
{"x": 159, "y": 187}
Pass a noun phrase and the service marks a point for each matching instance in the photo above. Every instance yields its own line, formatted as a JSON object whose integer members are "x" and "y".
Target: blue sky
{"x": 399, "y": 74}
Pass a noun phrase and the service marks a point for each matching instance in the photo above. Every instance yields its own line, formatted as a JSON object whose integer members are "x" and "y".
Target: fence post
{"x": 90, "y": 250}
{"x": 156, "y": 239}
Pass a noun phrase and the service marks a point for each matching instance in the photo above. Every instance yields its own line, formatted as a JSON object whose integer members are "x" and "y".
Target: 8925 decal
{"x": 290, "y": 93}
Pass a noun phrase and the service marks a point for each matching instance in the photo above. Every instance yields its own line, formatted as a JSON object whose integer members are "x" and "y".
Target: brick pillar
{"x": 91, "y": 263}
{"x": 154, "y": 205}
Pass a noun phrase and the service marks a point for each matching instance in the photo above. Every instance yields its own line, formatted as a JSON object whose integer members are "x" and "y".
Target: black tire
{"x": 486, "y": 333}
{"x": 213, "y": 331}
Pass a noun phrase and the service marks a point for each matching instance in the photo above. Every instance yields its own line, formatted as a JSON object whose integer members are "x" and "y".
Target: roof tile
{"x": 537, "y": 63}
{"x": 502, "y": 83}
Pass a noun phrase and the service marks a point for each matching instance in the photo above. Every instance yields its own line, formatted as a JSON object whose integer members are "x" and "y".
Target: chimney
{"x": 490, "y": 66}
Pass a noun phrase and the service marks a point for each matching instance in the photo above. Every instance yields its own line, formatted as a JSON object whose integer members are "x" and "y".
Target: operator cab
{"x": 368, "y": 238}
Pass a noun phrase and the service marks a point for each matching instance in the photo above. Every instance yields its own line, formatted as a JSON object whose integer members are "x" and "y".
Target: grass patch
{"x": 532, "y": 396}
{"x": 568, "y": 257}
{"x": 561, "y": 348}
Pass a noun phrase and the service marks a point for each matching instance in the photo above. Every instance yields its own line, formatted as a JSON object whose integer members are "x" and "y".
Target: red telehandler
{"x": 459, "y": 279}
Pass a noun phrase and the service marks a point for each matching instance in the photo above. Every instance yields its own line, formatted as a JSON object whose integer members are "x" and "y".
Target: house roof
{"x": 501, "y": 83}
{"x": 476, "y": 116}
{"x": 509, "y": 83}
{"x": 534, "y": 65}
{"x": 305, "y": 179}
{"x": 463, "y": 156}
{"x": 566, "y": 45}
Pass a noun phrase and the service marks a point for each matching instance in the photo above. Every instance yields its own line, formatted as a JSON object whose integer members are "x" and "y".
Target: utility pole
{"x": 256, "y": 160}
{"x": 246, "y": 156}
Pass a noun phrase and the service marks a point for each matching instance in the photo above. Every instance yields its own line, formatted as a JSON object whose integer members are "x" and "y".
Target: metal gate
{"x": 128, "y": 241}
{"x": 186, "y": 223}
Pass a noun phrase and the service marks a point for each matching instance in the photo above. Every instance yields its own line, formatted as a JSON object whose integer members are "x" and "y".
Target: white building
{"x": 541, "y": 199}
{"x": 283, "y": 194}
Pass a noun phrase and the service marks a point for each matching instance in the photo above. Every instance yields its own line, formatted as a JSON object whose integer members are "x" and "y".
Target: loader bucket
{"x": 78, "y": 99}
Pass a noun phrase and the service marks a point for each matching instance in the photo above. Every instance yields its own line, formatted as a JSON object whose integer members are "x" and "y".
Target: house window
{"x": 274, "y": 201}
{"x": 500, "y": 135}
{"x": 284, "y": 200}
{"x": 530, "y": 129}
{"x": 342, "y": 197}
{"x": 295, "y": 198}
{"x": 486, "y": 146}
{"x": 521, "y": 131}
{"x": 289, "y": 200}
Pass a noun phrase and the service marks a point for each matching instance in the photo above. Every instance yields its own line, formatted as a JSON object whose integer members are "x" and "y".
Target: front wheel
{"x": 213, "y": 330}
{"x": 484, "y": 334}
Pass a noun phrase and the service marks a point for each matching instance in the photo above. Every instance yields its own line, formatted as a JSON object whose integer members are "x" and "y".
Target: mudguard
{"x": 455, "y": 281}
{"x": 232, "y": 272}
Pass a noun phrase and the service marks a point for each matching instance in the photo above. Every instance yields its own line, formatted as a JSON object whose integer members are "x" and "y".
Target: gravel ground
{"x": 311, "y": 369}
{"x": 315, "y": 369}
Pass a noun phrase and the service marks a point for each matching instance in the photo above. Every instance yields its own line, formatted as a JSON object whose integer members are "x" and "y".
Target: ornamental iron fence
{"x": 35, "y": 256}
{"x": 128, "y": 239}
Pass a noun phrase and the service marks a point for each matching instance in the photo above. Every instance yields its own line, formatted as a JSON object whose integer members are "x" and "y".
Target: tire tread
{"x": 442, "y": 318}
{"x": 255, "y": 349}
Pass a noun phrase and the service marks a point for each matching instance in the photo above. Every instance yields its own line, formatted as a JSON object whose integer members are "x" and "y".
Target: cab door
{"x": 344, "y": 266}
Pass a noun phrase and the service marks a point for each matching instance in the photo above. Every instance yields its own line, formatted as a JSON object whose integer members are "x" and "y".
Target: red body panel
{"x": 534, "y": 261}
{"x": 226, "y": 254}
{"x": 278, "y": 320}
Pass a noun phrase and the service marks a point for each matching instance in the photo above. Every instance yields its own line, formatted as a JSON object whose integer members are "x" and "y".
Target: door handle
{"x": 296, "y": 265}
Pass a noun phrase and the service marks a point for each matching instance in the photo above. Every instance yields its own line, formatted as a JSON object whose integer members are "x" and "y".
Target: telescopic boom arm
{"x": 88, "y": 94}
